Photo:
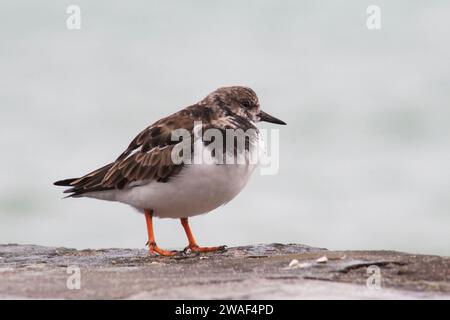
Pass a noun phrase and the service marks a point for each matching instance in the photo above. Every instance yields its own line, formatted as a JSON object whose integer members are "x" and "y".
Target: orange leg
{"x": 193, "y": 244}
{"x": 152, "y": 247}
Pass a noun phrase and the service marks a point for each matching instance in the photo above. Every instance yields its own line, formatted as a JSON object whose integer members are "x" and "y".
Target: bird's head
{"x": 242, "y": 101}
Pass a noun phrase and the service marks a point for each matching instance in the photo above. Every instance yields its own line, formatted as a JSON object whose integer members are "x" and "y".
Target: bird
{"x": 146, "y": 176}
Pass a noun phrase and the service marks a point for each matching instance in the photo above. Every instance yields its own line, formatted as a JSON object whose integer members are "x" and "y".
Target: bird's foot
{"x": 197, "y": 249}
{"x": 154, "y": 249}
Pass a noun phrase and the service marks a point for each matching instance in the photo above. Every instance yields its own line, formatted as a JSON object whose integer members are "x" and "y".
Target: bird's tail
{"x": 65, "y": 182}
{"x": 88, "y": 183}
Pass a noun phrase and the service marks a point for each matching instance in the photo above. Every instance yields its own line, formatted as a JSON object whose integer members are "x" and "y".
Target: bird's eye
{"x": 247, "y": 104}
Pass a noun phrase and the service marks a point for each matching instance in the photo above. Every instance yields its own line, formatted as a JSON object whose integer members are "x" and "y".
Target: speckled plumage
{"x": 144, "y": 173}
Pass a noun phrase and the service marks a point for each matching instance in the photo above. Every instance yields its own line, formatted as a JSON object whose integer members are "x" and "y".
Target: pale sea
{"x": 364, "y": 160}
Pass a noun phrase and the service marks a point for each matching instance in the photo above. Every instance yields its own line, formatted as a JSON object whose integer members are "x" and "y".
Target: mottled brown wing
{"x": 159, "y": 134}
{"x": 147, "y": 158}
{"x": 155, "y": 164}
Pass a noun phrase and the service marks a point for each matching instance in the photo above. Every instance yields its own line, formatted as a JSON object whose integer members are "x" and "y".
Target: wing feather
{"x": 148, "y": 156}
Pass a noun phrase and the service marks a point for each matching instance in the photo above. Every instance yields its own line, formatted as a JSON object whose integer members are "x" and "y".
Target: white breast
{"x": 197, "y": 189}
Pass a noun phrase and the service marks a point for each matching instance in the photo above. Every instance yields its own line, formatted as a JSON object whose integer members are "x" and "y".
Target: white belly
{"x": 197, "y": 189}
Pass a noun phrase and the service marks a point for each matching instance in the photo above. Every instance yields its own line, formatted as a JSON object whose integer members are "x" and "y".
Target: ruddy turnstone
{"x": 150, "y": 177}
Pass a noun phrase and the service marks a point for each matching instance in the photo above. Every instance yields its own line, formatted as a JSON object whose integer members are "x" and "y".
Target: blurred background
{"x": 364, "y": 160}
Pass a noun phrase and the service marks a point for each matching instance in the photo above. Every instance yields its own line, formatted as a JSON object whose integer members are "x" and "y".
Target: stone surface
{"x": 249, "y": 272}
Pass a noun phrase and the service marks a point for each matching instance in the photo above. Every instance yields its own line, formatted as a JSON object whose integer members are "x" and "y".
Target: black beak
{"x": 268, "y": 118}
